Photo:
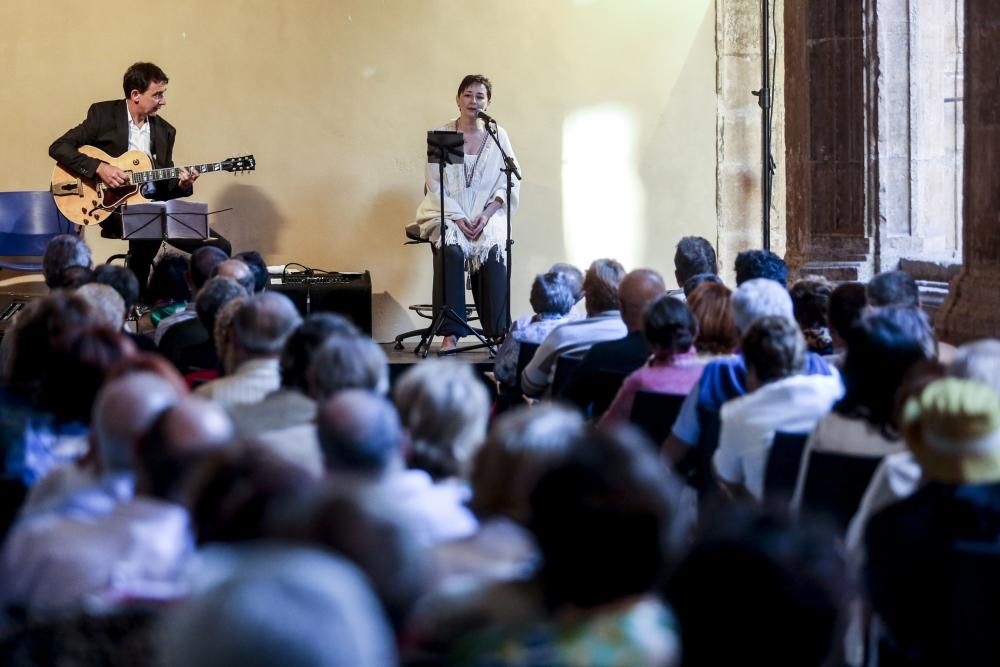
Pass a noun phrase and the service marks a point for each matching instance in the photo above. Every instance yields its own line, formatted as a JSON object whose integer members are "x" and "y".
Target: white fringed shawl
{"x": 488, "y": 183}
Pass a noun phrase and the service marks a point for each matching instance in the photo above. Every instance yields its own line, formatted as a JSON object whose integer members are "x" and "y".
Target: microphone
{"x": 483, "y": 115}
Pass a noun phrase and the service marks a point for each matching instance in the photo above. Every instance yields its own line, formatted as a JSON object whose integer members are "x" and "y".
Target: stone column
{"x": 972, "y": 309}
{"x": 738, "y": 40}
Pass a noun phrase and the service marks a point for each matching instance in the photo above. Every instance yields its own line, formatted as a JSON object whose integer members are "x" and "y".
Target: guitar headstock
{"x": 243, "y": 163}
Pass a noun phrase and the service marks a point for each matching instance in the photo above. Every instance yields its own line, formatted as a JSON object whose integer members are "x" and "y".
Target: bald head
{"x": 637, "y": 289}
{"x": 124, "y": 411}
{"x": 194, "y": 423}
{"x": 359, "y": 432}
{"x": 238, "y": 271}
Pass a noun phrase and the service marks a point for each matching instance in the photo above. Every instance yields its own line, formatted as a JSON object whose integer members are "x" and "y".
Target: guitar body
{"x": 87, "y": 201}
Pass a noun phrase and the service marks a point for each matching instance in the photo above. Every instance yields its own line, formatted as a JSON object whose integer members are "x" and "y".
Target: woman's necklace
{"x": 469, "y": 175}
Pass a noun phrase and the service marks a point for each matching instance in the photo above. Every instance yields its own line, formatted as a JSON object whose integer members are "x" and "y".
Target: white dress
{"x": 486, "y": 182}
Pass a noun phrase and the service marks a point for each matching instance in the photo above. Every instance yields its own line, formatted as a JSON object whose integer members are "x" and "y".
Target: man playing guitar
{"x": 117, "y": 126}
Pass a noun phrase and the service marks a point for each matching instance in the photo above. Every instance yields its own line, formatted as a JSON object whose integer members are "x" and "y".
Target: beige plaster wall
{"x": 610, "y": 105}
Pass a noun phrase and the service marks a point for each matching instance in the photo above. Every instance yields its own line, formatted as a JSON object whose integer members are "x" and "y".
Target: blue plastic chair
{"x": 28, "y": 221}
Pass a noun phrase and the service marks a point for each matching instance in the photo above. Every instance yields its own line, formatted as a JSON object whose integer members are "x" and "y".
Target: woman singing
{"x": 475, "y": 210}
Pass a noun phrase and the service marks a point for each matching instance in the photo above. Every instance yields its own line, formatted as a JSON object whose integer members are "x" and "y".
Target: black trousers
{"x": 489, "y": 291}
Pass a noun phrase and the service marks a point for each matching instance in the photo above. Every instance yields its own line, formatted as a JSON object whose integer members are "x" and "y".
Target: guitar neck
{"x": 140, "y": 177}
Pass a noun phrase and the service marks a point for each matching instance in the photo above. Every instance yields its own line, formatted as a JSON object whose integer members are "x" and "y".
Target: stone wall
{"x": 738, "y": 40}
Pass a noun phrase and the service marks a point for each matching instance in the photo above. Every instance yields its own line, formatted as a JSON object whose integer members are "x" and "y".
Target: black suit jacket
{"x": 620, "y": 356}
{"x": 106, "y": 127}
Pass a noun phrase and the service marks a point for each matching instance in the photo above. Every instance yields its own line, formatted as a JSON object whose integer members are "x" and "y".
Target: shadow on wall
{"x": 400, "y": 264}
{"x": 254, "y": 221}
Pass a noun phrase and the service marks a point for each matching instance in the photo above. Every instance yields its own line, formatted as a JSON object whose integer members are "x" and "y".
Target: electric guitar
{"x": 88, "y": 201}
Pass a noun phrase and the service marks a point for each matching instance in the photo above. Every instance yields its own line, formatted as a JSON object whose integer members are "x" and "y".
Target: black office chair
{"x": 835, "y": 484}
{"x": 565, "y": 365}
{"x": 782, "y": 469}
{"x": 655, "y": 414}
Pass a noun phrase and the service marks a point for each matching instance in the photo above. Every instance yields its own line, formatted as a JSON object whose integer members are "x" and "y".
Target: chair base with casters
{"x": 426, "y": 311}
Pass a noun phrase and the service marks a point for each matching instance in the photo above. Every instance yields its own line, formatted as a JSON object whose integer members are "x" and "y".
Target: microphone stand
{"x": 510, "y": 170}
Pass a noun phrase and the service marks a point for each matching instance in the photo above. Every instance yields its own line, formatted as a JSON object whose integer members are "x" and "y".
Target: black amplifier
{"x": 348, "y": 294}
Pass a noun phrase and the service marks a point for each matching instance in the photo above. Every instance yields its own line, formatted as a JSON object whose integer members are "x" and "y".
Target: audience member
{"x": 881, "y": 348}
{"x": 757, "y": 589}
{"x": 780, "y": 397}
{"x": 670, "y": 330}
{"x": 201, "y": 268}
{"x": 848, "y": 303}
{"x": 940, "y": 539}
{"x": 552, "y": 299}
{"x": 64, "y": 252}
{"x": 444, "y": 408}
{"x": 250, "y": 359}
{"x": 258, "y": 267}
{"x": 697, "y": 424}
{"x": 694, "y": 256}
{"x": 368, "y": 527}
{"x": 236, "y": 494}
{"x": 189, "y": 344}
{"x": 717, "y": 333}
{"x": 811, "y": 303}
{"x": 237, "y": 270}
{"x": 108, "y": 542}
{"x": 32, "y": 439}
{"x": 284, "y": 421}
{"x": 362, "y": 441}
{"x": 603, "y": 322}
{"x": 107, "y": 304}
{"x": 122, "y": 280}
{"x": 573, "y": 275}
{"x": 614, "y": 359}
{"x": 168, "y": 291}
{"x": 290, "y": 606}
{"x": 601, "y": 519}
{"x": 893, "y": 289}
{"x": 696, "y": 281}
{"x": 520, "y": 447}
{"x": 348, "y": 362}
{"x": 751, "y": 264}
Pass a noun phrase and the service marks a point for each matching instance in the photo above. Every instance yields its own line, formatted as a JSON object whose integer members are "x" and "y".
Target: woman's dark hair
{"x": 166, "y": 281}
{"x": 811, "y": 302}
{"x": 77, "y": 369}
{"x": 847, "y": 304}
{"x": 234, "y": 491}
{"x": 601, "y": 518}
{"x": 717, "y": 332}
{"x": 668, "y": 324}
{"x": 472, "y": 79}
{"x": 881, "y": 348}
{"x": 35, "y": 335}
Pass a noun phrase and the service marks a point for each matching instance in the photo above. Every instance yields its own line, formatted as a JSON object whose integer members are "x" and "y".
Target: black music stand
{"x": 163, "y": 221}
{"x": 444, "y": 147}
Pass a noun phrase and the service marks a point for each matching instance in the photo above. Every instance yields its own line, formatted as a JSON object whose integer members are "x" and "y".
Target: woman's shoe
{"x": 449, "y": 343}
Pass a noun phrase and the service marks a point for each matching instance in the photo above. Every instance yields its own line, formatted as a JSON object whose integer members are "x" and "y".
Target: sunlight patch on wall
{"x": 603, "y": 200}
